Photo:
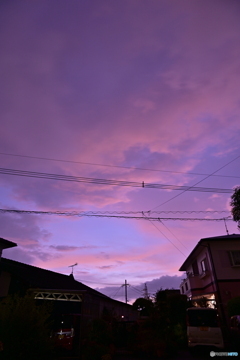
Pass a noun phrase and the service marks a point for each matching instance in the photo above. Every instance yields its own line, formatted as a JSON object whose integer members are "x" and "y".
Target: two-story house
{"x": 213, "y": 271}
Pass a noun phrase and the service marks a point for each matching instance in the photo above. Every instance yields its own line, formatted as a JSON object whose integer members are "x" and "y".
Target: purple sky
{"x": 128, "y": 83}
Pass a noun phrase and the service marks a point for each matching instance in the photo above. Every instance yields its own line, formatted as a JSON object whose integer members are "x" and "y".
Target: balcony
{"x": 204, "y": 274}
{"x": 193, "y": 281}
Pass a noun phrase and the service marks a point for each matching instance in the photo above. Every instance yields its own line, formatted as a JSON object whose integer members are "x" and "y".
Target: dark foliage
{"x": 144, "y": 306}
{"x": 99, "y": 340}
{"x": 235, "y": 204}
{"x": 163, "y": 333}
{"x": 24, "y": 329}
{"x": 233, "y": 306}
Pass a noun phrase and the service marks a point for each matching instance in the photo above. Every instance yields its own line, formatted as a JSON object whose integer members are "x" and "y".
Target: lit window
{"x": 235, "y": 257}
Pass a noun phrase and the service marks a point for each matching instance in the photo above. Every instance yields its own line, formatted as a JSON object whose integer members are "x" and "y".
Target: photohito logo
{"x": 213, "y": 353}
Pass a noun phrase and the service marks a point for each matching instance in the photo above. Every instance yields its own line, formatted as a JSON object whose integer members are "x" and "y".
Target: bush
{"x": 99, "y": 341}
{"x": 233, "y": 306}
{"x": 24, "y": 329}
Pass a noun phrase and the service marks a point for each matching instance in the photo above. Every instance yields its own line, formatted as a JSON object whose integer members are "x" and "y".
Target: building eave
{"x": 203, "y": 242}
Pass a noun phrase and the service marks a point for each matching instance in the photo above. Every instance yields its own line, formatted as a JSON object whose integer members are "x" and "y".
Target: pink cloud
{"x": 154, "y": 87}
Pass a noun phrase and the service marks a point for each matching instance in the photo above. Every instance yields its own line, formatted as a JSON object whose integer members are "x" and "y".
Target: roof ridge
{"x": 37, "y": 267}
{"x": 68, "y": 277}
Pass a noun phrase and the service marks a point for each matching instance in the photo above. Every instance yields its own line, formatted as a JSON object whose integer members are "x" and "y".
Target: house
{"x": 63, "y": 289}
{"x": 67, "y": 295}
{"x": 213, "y": 271}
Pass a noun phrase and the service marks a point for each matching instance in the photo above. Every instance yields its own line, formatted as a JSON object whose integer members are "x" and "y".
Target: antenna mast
{"x": 226, "y": 226}
{"x": 72, "y": 266}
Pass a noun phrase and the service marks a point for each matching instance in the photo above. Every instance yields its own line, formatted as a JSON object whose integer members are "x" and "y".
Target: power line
{"x": 115, "y": 166}
{"x": 132, "y": 287}
{"x": 59, "y": 177}
{"x": 148, "y": 213}
{"x": 151, "y": 221}
{"x": 81, "y": 214}
{"x": 173, "y": 234}
{"x": 189, "y": 188}
{"x": 143, "y": 217}
{"x": 116, "y": 292}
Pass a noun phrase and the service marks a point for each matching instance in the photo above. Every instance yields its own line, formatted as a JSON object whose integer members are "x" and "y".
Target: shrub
{"x": 24, "y": 329}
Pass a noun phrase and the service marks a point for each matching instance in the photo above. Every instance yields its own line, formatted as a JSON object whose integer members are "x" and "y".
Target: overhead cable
{"x": 88, "y": 214}
{"x": 114, "y": 166}
{"x": 193, "y": 186}
{"x": 59, "y": 177}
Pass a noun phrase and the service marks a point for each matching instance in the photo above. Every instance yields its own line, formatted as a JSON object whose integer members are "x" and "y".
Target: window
{"x": 186, "y": 287}
{"x": 195, "y": 268}
{"x": 182, "y": 290}
{"x": 235, "y": 257}
{"x": 204, "y": 265}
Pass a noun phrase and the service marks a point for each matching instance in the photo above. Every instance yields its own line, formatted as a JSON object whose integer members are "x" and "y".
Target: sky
{"x": 136, "y": 91}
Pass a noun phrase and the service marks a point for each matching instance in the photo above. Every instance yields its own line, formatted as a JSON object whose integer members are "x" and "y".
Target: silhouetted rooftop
{"x": 210, "y": 239}
{"x": 4, "y": 244}
{"x": 37, "y": 278}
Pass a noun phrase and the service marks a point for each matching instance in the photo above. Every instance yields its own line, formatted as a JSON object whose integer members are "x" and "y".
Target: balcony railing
{"x": 194, "y": 281}
{"x": 204, "y": 274}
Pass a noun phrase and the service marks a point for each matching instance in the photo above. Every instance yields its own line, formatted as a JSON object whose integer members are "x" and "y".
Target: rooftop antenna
{"x": 226, "y": 226}
{"x": 72, "y": 266}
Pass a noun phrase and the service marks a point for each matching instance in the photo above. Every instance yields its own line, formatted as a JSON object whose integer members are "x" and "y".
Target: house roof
{"x": 4, "y": 244}
{"x": 37, "y": 278}
{"x": 222, "y": 237}
{"x": 204, "y": 240}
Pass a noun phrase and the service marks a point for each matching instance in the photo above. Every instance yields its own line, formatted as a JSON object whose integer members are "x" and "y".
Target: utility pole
{"x": 126, "y": 285}
{"x": 145, "y": 291}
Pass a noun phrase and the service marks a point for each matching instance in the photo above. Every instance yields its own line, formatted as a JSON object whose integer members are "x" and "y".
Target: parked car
{"x": 203, "y": 328}
{"x": 65, "y": 332}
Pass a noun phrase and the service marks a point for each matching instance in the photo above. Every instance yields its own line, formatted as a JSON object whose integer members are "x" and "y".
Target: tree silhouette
{"x": 235, "y": 204}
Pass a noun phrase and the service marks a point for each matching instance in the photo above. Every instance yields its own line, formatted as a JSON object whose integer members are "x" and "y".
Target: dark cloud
{"x": 19, "y": 254}
{"x": 105, "y": 267}
{"x": 104, "y": 255}
{"x": 24, "y": 229}
{"x": 27, "y": 256}
{"x": 70, "y": 248}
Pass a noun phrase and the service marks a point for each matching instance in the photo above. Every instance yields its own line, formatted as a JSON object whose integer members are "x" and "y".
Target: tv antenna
{"x": 72, "y": 266}
{"x": 226, "y": 226}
